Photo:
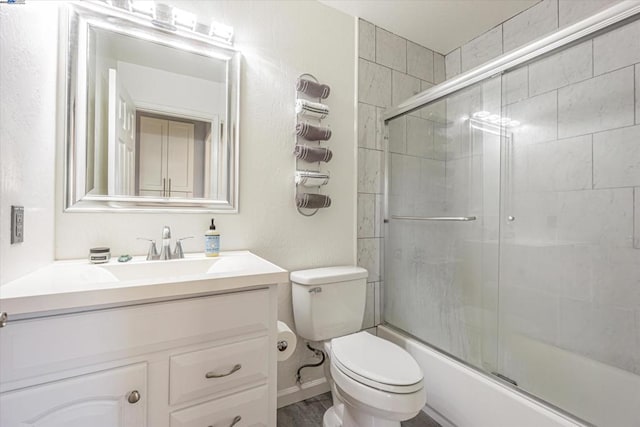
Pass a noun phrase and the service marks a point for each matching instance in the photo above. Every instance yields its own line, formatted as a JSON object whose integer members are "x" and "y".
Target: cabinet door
{"x": 95, "y": 400}
{"x": 180, "y": 148}
{"x": 153, "y": 161}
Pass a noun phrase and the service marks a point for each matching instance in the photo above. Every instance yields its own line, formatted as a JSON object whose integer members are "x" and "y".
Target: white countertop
{"x": 74, "y": 284}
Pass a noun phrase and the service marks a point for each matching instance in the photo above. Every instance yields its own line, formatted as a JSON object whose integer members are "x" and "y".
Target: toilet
{"x": 374, "y": 383}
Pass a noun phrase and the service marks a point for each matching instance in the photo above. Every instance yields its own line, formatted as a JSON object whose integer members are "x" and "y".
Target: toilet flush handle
{"x": 315, "y": 290}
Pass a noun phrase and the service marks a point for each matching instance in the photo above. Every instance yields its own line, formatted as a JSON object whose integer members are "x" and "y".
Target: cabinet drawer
{"x": 49, "y": 344}
{"x": 248, "y": 409}
{"x": 218, "y": 370}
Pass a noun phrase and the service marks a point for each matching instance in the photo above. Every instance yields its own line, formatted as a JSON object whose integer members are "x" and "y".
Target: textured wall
{"x": 27, "y": 133}
{"x": 279, "y": 40}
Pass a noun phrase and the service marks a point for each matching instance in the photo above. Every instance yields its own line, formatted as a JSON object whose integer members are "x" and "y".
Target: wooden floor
{"x": 308, "y": 413}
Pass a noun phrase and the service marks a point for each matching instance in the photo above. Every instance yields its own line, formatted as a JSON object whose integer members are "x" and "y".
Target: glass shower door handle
{"x": 435, "y": 218}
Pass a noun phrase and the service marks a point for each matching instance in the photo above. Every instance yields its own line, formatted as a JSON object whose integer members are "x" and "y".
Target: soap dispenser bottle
{"x": 212, "y": 241}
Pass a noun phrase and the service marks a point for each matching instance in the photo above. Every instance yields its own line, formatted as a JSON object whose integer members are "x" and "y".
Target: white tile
{"x": 572, "y": 11}
{"x": 515, "y": 85}
{"x": 600, "y": 333}
{"x": 562, "y": 270}
{"x": 602, "y": 217}
{"x": 380, "y": 129}
{"x": 378, "y": 225}
{"x": 560, "y": 165}
{"x": 378, "y": 303}
{"x": 403, "y": 185}
{"x": 374, "y": 84}
{"x": 439, "y": 74}
{"x": 604, "y": 102}
{"x": 636, "y": 218}
{"x": 638, "y": 340}
{"x": 366, "y": 215}
{"x": 459, "y": 107}
{"x": 391, "y": 50}
{"x": 404, "y": 87}
{"x": 424, "y": 85}
{"x": 431, "y": 190}
{"x": 366, "y": 40}
{"x": 419, "y": 137}
{"x": 366, "y": 125}
{"x": 616, "y": 49}
{"x": 369, "y": 257}
{"x": 368, "y": 320}
{"x": 419, "y": 62}
{"x": 538, "y": 117}
{"x": 452, "y": 63}
{"x": 398, "y": 135}
{"x": 617, "y": 277}
{"x": 536, "y": 216}
{"x": 370, "y": 171}
{"x": 561, "y": 69}
{"x": 482, "y": 49}
{"x": 616, "y": 158}
{"x": 637, "y": 67}
{"x": 529, "y": 311}
{"x": 531, "y": 24}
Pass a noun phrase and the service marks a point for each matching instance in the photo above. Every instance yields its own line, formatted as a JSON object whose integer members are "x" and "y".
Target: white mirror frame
{"x": 76, "y": 19}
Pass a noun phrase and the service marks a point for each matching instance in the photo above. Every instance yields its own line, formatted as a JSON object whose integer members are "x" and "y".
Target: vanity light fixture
{"x": 174, "y": 19}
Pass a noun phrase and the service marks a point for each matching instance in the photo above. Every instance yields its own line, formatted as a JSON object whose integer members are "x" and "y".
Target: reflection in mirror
{"x": 160, "y": 119}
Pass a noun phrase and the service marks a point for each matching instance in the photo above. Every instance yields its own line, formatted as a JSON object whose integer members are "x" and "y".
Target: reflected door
{"x": 166, "y": 158}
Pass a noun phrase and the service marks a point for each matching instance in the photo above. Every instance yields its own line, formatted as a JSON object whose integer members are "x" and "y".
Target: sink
{"x": 140, "y": 270}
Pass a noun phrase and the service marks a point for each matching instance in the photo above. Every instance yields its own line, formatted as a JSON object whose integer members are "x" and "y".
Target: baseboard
{"x": 298, "y": 393}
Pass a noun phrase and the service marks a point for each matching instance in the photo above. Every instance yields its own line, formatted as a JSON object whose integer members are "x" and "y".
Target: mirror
{"x": 151, "y": 115}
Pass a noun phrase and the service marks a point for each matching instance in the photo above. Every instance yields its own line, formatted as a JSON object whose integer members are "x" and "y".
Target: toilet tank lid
{"x": 321, "y": 276}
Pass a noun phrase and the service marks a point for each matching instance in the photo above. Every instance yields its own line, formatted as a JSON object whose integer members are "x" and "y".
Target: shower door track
{"x": 616, "y": 14}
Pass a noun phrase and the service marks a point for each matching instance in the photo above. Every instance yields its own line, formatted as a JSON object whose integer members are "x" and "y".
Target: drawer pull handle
{"x": 235, "y": 421}
{"x": 134, "y": 397}
{"x": 236, "y": 368}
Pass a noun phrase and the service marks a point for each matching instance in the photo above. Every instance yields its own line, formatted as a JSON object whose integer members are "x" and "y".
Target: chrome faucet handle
{"x": 153, "y": 249}
{"x": 178, "y": 253}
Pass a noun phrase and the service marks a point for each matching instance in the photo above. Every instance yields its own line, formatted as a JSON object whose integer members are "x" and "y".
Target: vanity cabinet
{"x": 200, "y": 361}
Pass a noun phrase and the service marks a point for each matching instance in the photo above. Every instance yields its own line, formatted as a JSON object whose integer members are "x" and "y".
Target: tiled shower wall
{"x": 390, "y": 70}
{"x": 543, "y": 18}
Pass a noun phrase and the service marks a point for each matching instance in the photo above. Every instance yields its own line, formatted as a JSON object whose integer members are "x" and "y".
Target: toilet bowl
{"x": 374, "y": 383}
{"x": 378, "y": 383}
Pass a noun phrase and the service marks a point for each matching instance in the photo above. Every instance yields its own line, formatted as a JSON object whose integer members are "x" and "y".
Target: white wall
{"x": 164, "y": 89}
{"x": 27, "y": 133}
{"x": 279, "y": 40}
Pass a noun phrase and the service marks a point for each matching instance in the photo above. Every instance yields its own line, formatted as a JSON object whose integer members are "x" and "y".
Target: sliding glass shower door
{"x": 441, "y": 250}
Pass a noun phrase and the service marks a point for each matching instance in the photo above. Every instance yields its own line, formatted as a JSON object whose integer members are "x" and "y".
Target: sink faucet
{"x": 165, "y": 253}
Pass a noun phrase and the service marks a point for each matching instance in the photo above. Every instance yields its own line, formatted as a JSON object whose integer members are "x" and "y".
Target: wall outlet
{"x": 17, "y": 224}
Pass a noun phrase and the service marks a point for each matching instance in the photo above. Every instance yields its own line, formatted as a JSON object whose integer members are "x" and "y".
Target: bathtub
{"x": 460, "y": 396}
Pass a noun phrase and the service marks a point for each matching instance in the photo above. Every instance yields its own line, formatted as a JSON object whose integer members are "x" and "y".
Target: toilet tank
{"x": 328, "y": 302}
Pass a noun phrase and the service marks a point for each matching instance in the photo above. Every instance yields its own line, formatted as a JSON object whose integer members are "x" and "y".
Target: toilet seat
{"x": 376, "y": 363}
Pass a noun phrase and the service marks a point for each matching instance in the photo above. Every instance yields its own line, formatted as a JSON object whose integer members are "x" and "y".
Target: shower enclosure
{"x": 512, "y": 240}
